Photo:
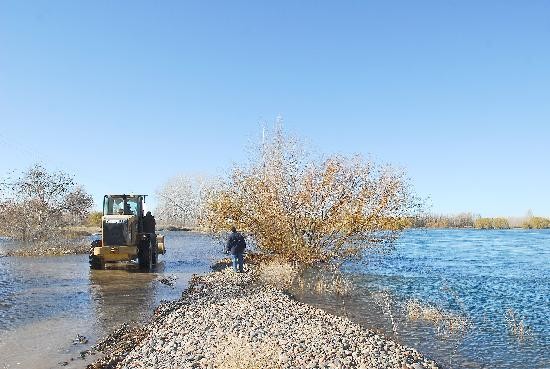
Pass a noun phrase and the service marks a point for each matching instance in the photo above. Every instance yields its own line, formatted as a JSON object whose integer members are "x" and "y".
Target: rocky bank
{"x": 229, "y": 320}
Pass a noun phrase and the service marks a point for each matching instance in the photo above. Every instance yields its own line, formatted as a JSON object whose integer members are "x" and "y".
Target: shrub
{"x": 462, "y": 220}
{"x": 536, "y": 223}
{"x": 278, "y": 274}
{"x": 36, "y": 206}
{"x": 516, "y": 325}
{"x": 492, "y": 223}
{"x": 325, "y": 280}
{"x": 94, "y": 219}
{"x": 446, "y": 322}
{"x": 310, "y": 210}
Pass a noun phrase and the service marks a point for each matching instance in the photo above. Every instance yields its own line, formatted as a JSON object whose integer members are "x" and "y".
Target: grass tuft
{"x": 516, "y": 325}
{"x": 277, "y": 273}
{"x": 447, "y": 323}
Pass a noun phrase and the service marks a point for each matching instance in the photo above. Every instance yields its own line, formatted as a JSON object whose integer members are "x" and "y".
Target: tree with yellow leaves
{"x": 311, "y": 210}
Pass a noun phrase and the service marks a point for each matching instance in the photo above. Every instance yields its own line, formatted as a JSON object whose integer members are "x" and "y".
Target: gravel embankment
{"x": 228, "y": 320}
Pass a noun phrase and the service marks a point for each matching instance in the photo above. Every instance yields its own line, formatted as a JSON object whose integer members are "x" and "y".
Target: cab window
{"x": 131, "y": 206}
{"x": 113, "y": 206}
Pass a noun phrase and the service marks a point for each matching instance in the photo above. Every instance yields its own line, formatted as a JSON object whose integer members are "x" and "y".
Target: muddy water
{"x": 45, "y": 302}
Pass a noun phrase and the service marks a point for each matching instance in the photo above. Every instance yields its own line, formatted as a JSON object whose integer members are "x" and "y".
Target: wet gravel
{"x": 230, "y": 320}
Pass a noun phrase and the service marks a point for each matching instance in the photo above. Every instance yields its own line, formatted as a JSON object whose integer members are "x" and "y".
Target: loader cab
{"x": 123, "y": 205}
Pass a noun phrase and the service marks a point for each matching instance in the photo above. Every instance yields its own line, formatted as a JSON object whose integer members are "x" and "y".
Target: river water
{"x": 480, "y": 274}
{"x": 46, "y": 301}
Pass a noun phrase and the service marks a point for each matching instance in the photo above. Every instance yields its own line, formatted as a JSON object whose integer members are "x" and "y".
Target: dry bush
{"x": 335, "y": 284}
{"x": 516, "y": 325}
{"x": 310, "y": 210}
{"x": 447, "y": 323}
{"x": 94, "y": 219}
{"x": 236, "y": 352}
{"x": 37, "y": 206}
{"x": 326, "y": 281}
{"x": 277, "y": 273}
{"x": 384, "y": 300}
{"x": 461, "y": 220}
{"x": 492, "y": 223}
{"x": 282, "y": 274}
{"x": 536, "y": 223}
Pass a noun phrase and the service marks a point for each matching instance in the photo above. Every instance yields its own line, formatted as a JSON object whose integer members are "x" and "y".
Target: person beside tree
{"x": 236, "y": 245}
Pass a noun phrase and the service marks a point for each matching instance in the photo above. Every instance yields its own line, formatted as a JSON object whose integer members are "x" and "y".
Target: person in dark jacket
{"x": 236, "y": 245}
{"x": 149, "y": 223}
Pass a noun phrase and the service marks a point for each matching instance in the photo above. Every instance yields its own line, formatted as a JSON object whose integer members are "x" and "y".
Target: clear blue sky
{"x": 457, "y": 92}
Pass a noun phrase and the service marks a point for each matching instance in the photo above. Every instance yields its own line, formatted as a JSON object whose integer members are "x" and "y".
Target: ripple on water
{"x": 481, "y": 274}
{"x": 36, "y": 291}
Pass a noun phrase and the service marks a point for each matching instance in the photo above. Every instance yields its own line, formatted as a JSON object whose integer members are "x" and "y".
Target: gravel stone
{"x": 227, "y": 320}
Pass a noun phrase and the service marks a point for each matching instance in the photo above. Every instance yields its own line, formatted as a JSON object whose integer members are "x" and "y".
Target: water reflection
{"x": 46, "y": 301}
{"x": 119, "y": 295}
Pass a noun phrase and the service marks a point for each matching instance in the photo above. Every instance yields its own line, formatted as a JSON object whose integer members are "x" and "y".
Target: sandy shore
{"x": 229, "y": 320}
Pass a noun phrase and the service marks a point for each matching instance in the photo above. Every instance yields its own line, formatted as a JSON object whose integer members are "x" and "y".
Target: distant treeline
{"x": 470, "y": 220}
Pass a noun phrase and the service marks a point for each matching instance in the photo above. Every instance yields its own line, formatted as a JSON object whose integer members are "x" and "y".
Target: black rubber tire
{"x": 155, "y": 253}
{"x": 145, "y": 256}
{"x": 155, "y": 258}
{"x": 95, "y": 261}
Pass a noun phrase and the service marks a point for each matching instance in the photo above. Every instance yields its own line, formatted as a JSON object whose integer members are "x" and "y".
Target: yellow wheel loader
{"x": 126, "y": 234}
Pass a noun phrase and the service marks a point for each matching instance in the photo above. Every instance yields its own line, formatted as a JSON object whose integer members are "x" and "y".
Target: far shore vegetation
{"x": 470, "y": 220}
{"x": 171, "y": 221}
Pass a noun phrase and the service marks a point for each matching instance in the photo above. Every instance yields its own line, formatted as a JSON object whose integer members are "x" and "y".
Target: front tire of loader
{"x": 145, "y": 256}
{"x": 96, "y": 262}
{"x": 155, "y": 252}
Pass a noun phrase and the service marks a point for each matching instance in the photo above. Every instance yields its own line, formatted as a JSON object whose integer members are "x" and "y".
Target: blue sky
{"x": 126, "y": 94}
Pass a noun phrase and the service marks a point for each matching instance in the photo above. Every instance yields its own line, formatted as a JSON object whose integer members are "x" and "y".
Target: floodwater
{"x": 45, "y": 302}
{"x": 480, "y": 274}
